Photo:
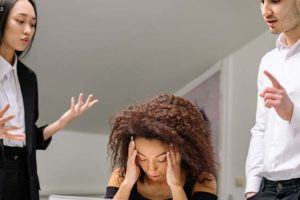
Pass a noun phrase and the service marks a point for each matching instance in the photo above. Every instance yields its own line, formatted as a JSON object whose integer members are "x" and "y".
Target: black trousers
{"x": 278, "y": 190}
{"x": 16, "y": 186}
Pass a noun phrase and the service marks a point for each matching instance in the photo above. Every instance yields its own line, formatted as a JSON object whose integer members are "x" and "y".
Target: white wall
{"x": 74, "y": 163}
{"x": 240, "y": 105}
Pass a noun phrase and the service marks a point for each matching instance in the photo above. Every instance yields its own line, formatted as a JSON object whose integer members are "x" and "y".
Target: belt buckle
{"x": 279, "y": 186}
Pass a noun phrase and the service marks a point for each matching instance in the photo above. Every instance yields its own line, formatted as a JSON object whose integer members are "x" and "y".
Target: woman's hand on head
{"x": 5, "y": 131}
{"x": 131, "y": 175}
{"x": 173, "y": 174}
{"x": 132, "y": 170}
{"x": 77, "y": 109}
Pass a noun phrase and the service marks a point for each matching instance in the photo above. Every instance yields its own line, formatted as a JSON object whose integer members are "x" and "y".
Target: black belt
{"x": 14, "y": 153}
{"x": 278, "y": 186}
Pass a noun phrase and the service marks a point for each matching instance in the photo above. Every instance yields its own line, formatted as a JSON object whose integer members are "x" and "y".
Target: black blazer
{"x": 34, "y": 134}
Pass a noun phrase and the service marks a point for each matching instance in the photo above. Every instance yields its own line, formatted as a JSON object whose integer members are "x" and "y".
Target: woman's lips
{"x": 153, "y": 176}
{"x": 25, "y": 41}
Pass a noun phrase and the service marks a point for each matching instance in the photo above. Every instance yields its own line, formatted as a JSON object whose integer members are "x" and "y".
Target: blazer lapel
{"x": 27, "y": 94}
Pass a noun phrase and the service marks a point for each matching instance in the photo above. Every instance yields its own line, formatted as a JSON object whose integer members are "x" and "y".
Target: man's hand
{"x": 277, "y": 98}
{"x": 250, "y": 194}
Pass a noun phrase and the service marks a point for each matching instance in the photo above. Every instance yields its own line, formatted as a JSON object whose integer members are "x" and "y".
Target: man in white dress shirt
{"x": 273, "y": 162}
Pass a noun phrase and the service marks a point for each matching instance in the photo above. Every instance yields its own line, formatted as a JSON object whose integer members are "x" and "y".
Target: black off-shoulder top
{"x": 134, "y": 195}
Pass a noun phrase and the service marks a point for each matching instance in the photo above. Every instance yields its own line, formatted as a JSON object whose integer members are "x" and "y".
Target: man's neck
{"x": 292, "y": 36}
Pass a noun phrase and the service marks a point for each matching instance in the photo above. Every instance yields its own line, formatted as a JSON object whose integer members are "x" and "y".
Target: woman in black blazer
{"x": 19, "y": 135}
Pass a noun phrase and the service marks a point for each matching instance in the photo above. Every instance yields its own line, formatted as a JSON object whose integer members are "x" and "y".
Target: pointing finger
{"x": 274, "y": 81}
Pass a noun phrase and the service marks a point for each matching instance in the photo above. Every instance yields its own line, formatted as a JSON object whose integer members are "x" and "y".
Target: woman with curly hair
{"x": 161, "y": 149}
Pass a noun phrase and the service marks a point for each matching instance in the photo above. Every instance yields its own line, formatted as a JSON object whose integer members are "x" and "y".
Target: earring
{"x": 1, "y": 9}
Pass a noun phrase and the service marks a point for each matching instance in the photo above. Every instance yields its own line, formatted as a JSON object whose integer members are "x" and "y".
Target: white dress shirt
{"x": 10, "y": 93}
{"x": 274, "y": 151}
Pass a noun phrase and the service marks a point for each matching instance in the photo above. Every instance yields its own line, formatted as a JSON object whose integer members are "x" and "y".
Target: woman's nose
{"x": 28, "y": 29}
{"x": 152, "y": 167}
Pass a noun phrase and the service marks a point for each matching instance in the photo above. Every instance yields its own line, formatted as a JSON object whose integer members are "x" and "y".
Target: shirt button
{"x": 16, "y": 157}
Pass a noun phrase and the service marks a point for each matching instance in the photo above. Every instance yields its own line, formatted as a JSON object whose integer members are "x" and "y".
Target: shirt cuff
{"x": 295, "y": 121}
{"x": 253, "y": 184}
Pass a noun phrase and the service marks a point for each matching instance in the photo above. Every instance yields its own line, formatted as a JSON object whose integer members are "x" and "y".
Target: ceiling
{"x": 123, "y": 51}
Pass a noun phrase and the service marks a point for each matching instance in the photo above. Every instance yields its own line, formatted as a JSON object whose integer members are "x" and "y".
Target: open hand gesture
{"x": 277, "y": 98}
{"x": 77, "y": 109}
{"x": 5, "y": 131}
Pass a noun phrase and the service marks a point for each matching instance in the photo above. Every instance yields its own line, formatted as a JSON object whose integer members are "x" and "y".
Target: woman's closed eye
{"x": 162, "y": 158}
{"x": 20, "y": 21}
{"x": 141, "y": 158}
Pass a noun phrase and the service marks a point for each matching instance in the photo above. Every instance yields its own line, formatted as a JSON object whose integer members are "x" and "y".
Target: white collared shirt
{"x": 274, "y": 151}
{"x": 10, "y": 93}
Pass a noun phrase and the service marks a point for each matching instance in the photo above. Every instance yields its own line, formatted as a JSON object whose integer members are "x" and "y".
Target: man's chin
{"x": 274, "y": 31}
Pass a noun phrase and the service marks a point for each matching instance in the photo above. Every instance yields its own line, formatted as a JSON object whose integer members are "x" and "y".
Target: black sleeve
{"x": 111, "y": 192}
{"x": 204, "y": 196}
{"x": 40, "y": 142}
{"x": 39, "y": 131}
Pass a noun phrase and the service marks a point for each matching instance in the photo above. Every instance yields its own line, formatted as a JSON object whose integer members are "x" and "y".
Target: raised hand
{"x": 6, "y": 131}
{"x": 277, "y": 98}
{"x": 173, "y": 174}
{"x": 77, "y": 108}
{"x": 132, "y": 170}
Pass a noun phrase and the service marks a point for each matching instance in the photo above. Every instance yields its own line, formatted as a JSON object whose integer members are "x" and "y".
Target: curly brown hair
{"x": 171, "y": 120}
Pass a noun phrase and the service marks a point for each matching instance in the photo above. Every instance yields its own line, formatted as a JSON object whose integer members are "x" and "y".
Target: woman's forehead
{"x": 23, "y": 7}
{"x": 151, "y": 147}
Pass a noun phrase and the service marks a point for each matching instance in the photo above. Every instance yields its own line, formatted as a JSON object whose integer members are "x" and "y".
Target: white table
{"x": 62, "y": 197}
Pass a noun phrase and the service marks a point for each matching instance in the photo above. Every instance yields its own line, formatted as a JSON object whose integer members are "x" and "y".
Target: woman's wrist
{"x": 127, "y": 184}
{"x": 176, "y": 188}
{"x": 123, "y": 191}
{"x": 178, "y": 192}
{"x": 62, "y": 122}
